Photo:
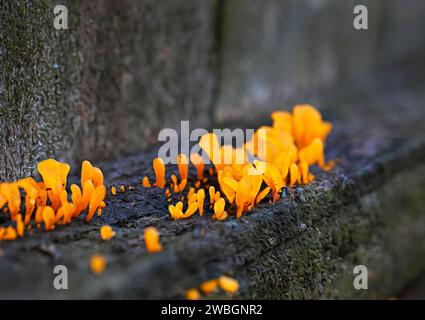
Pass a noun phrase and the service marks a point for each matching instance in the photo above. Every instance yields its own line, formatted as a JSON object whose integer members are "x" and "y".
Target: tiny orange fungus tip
{"x": 106, "y": 232}
{"x": 293, "y": 174}
{"x": 146, "y": 183}
{"x": 228, "y": 284}
{"x": 113, "y": 191}
{"x": 262, "y": 195}
{"x": 96, "y": 201}
{"x": 97, "y": 264}
{"x": 190, "y": 193}
{"x": 182, "y": 185}
{"x": 122, "y": 188}
{"x": 209, "y": 286}
{"x": 200, "y": 198}
{"x": 193, "y": 294}
{"x": 329, "y": 165}
{"x": 152, "y": 243}
{"x": 159, "y": 168}
{"x": 48, "y": 218}
{"x": 219, "y": 213}
{"x": 211, "y": 191}
{"x": 193, "y": 198}
{"x": 192, "y": 208}
{"x": 8, "y": 233}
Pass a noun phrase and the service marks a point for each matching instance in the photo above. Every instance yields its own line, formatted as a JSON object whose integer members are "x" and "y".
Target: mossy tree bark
{"x": 104, "y": 87}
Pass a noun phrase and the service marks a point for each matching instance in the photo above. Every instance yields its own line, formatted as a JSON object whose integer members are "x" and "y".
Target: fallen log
{"x": 367, "y": 211}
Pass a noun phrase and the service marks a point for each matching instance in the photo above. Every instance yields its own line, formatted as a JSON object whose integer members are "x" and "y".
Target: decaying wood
{"x": 368, "y": 210}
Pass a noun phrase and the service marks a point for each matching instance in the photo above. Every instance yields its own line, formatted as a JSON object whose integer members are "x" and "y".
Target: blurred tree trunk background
{"x": 126, "y": 69}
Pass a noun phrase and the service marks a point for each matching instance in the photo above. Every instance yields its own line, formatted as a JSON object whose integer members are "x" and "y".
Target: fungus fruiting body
{"x": 159, "y": 168}
{"x": 106, "y": 232}
{"x": 97, "y": 264}
{"x": 48, "y": 202}
{"x": 146, "y": 182}
{"x": 209, "y": 286}
{"x": 275, "y": 157}
{"x": 228, "y": 284}
{"x": 95, "y": 202}
{"x": 8, "y": 233}
{"x": 238, "y": 179}
{"x": 152, "y": 240}
{"x": 113, "y": 191}
{"x": 193, "y": 294}
{"x": 225, "y": 283}
{"x": 200, "y": 198}
{"x": 219, "y": 212}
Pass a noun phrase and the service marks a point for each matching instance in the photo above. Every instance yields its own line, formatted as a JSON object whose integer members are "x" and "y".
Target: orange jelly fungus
{"x": 211, "y": 191}
{"x": 190, "y": 193}
{"x": 97, "y": 264}
{"x": 198, "y": 162}
{"x": 113, "y": 191}
{"x": 219, "y": 212}
{"x": 228, "y": 284}
{"x": 192, "y": 294}
{"x": 96, "y": 201}
{"x": 8, "y": 233}
{"x": 106, "y": 232}
{"x": 152, "y": 243}
{"x": 209, "y": 286}
{"x": 275, "y": 157}
{"x": 54, "y": 174}
{"x": 146, "y": 182}
{"x": 177, "y": 213}
{"x": 20, "y": 227}
{"x": 200, "y": 198}
{"x": 183, "y": 165}
{"x": 48, "y": 215}
{"x": 11, "y": 196}
{"x": 159, "y": 168}
{"x": 48, "y": 202}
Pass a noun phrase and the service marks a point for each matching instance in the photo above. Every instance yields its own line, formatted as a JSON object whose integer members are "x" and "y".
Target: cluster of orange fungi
{"x": 276, "y": 156}
{"x": 225, "y": 283}
{"x": 47, "y": 202}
